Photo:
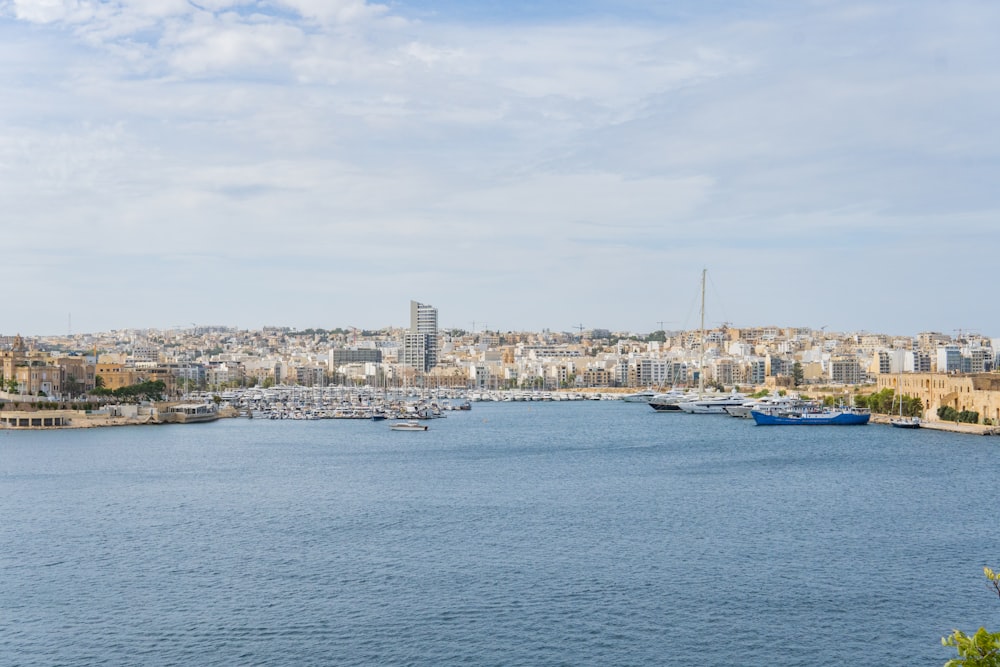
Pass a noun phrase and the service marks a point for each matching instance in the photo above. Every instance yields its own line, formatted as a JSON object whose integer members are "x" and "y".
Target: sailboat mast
{"x": 701, "y": 357}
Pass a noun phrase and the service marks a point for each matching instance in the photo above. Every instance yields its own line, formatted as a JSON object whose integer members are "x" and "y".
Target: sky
{"x": 518, "y": 165}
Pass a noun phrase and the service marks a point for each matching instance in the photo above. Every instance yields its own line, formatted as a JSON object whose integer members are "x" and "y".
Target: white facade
{"x": 423, "y": 323}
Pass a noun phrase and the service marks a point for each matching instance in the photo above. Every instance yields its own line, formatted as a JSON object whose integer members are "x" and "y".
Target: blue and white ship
{"x": 823, "y": 417}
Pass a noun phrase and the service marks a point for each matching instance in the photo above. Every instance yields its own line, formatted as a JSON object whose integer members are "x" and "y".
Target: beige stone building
{"x": 115, "y": 376}
{"x": 974, "y": 392}
{"x": 32, "y": 372}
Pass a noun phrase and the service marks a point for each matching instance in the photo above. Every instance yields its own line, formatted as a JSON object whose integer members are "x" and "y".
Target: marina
{"x": 296, "y": 403}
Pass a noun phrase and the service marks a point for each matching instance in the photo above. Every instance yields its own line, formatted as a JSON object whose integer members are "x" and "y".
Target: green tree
{"x": 947, "y": 413}
{"x": 912, "y": 406}
{"x": 968, "y": 417}
{"x": 982, "y": 648}
{"x": 798, "y": 374}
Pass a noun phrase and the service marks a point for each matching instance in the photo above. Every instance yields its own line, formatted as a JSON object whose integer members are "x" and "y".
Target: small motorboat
{"x": 408, "y": 426}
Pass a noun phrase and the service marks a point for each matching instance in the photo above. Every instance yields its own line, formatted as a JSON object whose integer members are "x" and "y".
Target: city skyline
{"x": 352, "y": 334}
{"x": 536, "y": 167}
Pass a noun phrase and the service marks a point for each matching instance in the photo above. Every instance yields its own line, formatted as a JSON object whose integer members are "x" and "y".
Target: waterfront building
{"x": 596, "y": 377}
{"x": 79, "y": 374}
{"x": 12, "y": 358}
{"x": 115, "y": 375}
{"x": 978, "y": 393}
{"x": 558, "y": 375}
{"x": 39, "y": 378}
{"x": 653, "y": 372}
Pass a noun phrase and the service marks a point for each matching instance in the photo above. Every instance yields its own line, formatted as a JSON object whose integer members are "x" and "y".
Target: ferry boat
{"x": 823, "y": 417}
{"x": 191, "y": 413}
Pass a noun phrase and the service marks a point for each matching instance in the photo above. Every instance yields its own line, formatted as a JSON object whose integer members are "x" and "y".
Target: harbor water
{"x": 583, "y": 533}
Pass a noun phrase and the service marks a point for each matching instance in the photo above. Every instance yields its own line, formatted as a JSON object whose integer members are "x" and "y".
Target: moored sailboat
{"x": 901, "y": 421}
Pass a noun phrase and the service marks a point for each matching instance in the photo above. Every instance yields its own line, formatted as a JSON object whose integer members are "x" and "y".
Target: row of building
{"x": 425, "y": 355}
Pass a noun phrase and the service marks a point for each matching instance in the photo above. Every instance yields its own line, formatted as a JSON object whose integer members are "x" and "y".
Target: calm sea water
{"x": 591, "y": 533}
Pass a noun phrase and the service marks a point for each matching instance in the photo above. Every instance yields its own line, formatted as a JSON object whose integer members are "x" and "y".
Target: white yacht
{"x": 640, "y": 396}
{"x": 767, "y": 404}
{"x": 712, "y": 405}
{"x": 670, "y": 401}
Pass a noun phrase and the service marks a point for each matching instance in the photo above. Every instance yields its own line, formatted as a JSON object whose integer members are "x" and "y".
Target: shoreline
{"x": 72, "y": 419}
{"x": 57, "y": 420}
{"x": 950, "y": 427}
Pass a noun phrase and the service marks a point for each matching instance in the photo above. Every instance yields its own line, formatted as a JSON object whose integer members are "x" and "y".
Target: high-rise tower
{"x": 420, "y": 344}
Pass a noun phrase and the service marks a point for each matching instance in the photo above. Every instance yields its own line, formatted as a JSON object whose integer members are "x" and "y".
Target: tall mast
{"x": 701, "y": 357}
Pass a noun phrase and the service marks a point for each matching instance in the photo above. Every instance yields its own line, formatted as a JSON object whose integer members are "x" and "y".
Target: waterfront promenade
{"x": 109, "y": 416}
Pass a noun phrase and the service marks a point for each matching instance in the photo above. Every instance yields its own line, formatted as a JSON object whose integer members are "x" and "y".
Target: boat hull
{"x": 812, "y": 419}
{"x": 708, "y": 407}
{"x": 665, "y": 407}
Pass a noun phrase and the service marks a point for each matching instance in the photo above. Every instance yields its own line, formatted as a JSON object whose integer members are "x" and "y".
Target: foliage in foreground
{"x": 982, "y": 648}
{"x": 886, "y": 402}
{"x": 950, "y": 414}
{"x": 152, "y": 391}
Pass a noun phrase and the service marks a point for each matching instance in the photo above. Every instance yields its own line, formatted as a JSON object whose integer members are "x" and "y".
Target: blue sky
{"x": 521, "y": 165}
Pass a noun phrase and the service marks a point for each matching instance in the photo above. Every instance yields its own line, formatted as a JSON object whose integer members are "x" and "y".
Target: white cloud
{"x": 323, "y": 134}
{"x": 336, "y": 11}
{"x": 226, "y": 45}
